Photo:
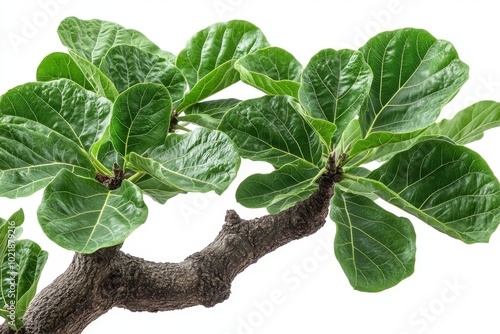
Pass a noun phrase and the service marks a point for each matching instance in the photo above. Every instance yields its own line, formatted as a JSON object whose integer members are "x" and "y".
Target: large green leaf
{"x": 448, "y": 186}
{"x": 100, "y": 83}
{"x": 265, "y": 190}
{"x": 21, "y": 265}
{"x": 82, "y": 215}
{"x": 273, "y": 70}
{"x": 31, "y": 155}
{"x": 375, "y": 248}
{"x": 209, "y": 113}
{"x": 469, "y": 124}
{"x": 415, "y": 75}
{"x": 92, "y": 39}
{"x": 335, "y": 86}
{"x": 270, "y": 129}
{"x": 128, "y": 65}
{"x": 62, "y": 105}
{"x": 199, "y": 161}
{"x": 208, "y": 59}
{"x": 141, "y": 118}
{"x": 466, "y": 126}
{"x": 216, "y": 45}
{"x": 60, "y": 65}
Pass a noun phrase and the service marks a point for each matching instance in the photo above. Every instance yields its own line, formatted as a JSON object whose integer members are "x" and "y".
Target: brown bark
{"x": 95, "y": 283}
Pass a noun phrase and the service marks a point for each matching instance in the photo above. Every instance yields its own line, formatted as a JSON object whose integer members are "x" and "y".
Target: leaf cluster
{"x": 117, "y": 110}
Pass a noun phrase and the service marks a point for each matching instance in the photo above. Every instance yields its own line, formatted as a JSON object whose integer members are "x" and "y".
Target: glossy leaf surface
{"x": 63, "y": 106}
{"x": 272, "y": 70}
{"x": 31, "y": 155}
{"x": 200, "y": 161}
{"x": 270, "y": 129}
{"x": 375, "y": 248}
{"x": 415, "y": 75}
{"x": 128, "y": 65}
{"x": 92, "y": 39}
{"x": 335, "y": 86}
{"x": 82, "y": 215}
{"x": 448, "y": 186}
{"x": 140, "y": 119}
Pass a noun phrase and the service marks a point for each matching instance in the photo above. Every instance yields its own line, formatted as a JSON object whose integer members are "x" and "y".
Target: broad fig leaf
{"x": 448, "y": 186}
{"x": 208, "y": 59}
{"x": 469, "y": 124}
{"x": 335, "y": 86}
{"x": 82, "y": 215}
{"x": 128, "y": 65}
{"x": 31, "y": 155}
{"x": 415, "y": 75}
{"x": 21, "y": 265}
{"x": 264, "y": 190}
{"x": 141, "y": 118}
{"x": 101, "y": 84}
{"x": 60, "y": 65}
{"x": 270, "y": 129}
{"x": 209, "y": 113}
{"x": 199, "y": 161}
{"x": 272, "y": 70}
{"x": 92, "y": 39}
{"x": 63, "y": 106}
{"x": 216, "y": 45}
{"x": 375, "y": 248}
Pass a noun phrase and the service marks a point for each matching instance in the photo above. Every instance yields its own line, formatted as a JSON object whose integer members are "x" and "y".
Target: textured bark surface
{"x": 93, "y": 284}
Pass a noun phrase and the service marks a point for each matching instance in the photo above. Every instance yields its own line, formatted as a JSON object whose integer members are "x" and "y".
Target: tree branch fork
{"x": 95, "y": 283}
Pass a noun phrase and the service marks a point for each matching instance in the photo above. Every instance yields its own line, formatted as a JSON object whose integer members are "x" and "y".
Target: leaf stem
{"x": 99, "y": 166}
{"x": 136, "y": 177}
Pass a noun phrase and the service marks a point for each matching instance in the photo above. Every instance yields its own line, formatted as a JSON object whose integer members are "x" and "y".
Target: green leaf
{"x": 335, "y": 86}
{"x": 469, "y": 124}
{"x": 272, "y": 70}
{"x": 60, "y": 65}
{"x": 270, "y": 129}
{"x": 208, "y": 114}
{"x": 448, "y": 186}
{"x": 415, "y": 75}
{"x": 208, "y": 59}
{"x": 128, "y": 65}
{"x": 141, "y": 118}
{"x": 199, "y": 161}
{"x": 375, "y": 248}
{"x": 21, "y": 263}
{"x": 92, "y": 39}
{"x": 82, "y": 215}
{"x": 214, "y": 46}
{"x": 31, "y": 155}
{"x": 101, "y": 84}
{"x": 264, "y": 190}
{"x": 63, "y": 106}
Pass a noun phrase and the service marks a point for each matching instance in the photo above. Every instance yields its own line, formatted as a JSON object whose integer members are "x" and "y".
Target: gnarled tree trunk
{"x": 95, "y": 283}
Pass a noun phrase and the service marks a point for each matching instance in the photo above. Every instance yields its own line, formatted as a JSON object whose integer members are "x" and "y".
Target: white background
{"x": 299, "y": 288}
